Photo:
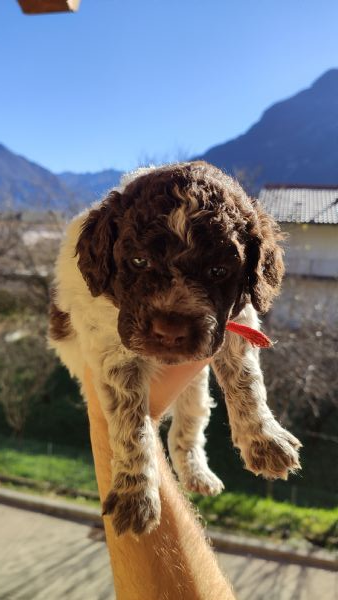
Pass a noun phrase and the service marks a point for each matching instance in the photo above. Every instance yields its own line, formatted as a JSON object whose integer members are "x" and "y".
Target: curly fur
{"x": 150, "y": 276}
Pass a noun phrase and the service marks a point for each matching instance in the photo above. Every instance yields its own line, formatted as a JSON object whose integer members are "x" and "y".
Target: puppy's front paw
{"x": 135, "y": 511}
{"x": 274, "y": 454}
{"x": 203, "y": 482}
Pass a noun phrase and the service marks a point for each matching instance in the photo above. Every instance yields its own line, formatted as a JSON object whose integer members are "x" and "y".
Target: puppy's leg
{"x": 186, "y": 438}
{"x": 266, "y": 448}
{"x": 133, "y": 501}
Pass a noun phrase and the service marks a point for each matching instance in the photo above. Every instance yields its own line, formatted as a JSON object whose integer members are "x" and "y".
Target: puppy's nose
{"x": 169, "y": 334}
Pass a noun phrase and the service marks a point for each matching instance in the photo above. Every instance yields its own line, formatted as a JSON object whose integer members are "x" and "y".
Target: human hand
{"x": 172, "y": 380}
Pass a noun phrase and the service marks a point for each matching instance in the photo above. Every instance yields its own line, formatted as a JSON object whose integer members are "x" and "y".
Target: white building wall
{"x": 311, "y": 249}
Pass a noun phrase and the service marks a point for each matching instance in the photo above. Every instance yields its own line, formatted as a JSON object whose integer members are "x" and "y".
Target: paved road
{"x": 45, "y": 558}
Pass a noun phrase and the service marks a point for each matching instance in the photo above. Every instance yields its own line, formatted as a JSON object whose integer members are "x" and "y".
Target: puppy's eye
{"x": 217, "y": 272}
{"x": 140, "y": 263}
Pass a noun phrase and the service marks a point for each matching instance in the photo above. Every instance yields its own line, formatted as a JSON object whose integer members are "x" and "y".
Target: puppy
{"x": 150, "y": 276}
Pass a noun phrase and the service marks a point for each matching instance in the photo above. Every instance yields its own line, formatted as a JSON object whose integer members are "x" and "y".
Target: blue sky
{"x": 122, "y": 82}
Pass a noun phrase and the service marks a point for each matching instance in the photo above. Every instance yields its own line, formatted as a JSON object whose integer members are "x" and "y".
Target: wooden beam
{"x": 35, "y": 7}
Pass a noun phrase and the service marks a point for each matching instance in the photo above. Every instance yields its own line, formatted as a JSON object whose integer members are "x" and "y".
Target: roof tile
{"x": 297, "y": 204}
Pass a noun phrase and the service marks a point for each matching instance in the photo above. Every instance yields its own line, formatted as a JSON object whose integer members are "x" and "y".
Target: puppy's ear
{"x": 265, "y": 266}
{"x": 96, "y": 242}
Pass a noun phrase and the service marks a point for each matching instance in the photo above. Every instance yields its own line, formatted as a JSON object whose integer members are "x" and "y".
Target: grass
{"x": 267, "y": 517}
{"x": 68, "y": 467}
{"x": 234, "y": 512}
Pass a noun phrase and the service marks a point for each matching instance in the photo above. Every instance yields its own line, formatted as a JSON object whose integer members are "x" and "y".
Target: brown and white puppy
{"x": 150, "y": 276}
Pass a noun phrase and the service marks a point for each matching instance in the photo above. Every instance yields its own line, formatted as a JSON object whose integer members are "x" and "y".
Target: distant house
{"x": 309, "y": 214}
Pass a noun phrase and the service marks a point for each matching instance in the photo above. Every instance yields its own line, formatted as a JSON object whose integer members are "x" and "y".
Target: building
{"x": 309, "y": 215}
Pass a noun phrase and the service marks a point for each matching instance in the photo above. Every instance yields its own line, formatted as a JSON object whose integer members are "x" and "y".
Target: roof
{"x": 301, "y": 203}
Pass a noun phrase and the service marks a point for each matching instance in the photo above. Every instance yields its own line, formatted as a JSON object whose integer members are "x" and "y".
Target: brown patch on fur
{"x": 185, "y": 221}
{"x": 129, "y": 377}
{"x": 271, "y": 459}
{"x": 133, "y": 511}
{"x": 265, "y": 264}
{"x": 59, "y": 322}
{"x": 125, "y": 481}
{"x": 114, "y": 400}
{"x": 95, "y": 245}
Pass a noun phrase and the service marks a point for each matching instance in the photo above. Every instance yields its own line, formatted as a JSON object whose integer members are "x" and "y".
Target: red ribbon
{"x": 257, "y": 338}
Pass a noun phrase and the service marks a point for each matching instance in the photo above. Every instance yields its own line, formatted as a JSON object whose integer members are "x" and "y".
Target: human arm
{"x": 174, "y": 561}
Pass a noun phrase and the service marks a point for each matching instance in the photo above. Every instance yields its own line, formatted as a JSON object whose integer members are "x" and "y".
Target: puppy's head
{"x": 179, "y": 250}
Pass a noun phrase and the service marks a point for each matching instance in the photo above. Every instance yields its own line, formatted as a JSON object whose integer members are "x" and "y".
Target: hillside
{"x": 24, "y": 184}
{"x": 90, "y": 186}
{"x": 296, "y": 140}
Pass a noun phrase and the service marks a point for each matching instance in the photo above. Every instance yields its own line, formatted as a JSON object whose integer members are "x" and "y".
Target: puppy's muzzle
{"x": 168, "y": 333}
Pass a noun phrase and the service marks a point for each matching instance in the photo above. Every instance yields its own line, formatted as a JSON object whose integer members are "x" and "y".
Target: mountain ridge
{"x": 26, "y": 185}
{"x": 23, "y": 182}
{"x": 295, "y": 141}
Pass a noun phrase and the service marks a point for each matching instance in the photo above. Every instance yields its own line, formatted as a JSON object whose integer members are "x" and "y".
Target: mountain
{"x": 24, "y": 184}
{"x": 295, "y": 141}
{"x": 91, "y": 186}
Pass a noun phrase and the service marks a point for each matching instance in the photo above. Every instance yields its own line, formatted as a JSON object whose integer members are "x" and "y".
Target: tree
{"x": 25, "y": 365}
{"x": 301, "y": 374}
{"x": 28, "y": 250}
